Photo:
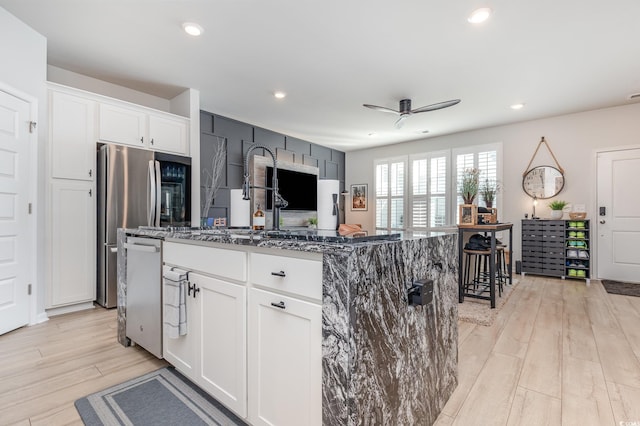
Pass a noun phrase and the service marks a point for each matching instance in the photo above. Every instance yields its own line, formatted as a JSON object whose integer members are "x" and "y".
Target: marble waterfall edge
{"x": 385, "y": 362}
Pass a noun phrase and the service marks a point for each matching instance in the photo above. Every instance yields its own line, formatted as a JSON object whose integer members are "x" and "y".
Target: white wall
{"x": 24, "y": 67}
{"x": 90, "y": 84}
{"x": 573, "y": 138}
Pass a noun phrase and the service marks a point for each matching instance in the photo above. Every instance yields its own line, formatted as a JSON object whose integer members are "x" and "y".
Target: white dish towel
{"x": 175, "y": 297}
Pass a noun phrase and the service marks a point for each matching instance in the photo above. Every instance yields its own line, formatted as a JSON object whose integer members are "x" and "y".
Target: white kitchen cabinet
{"x": 183, "y": 352}
{"x": 285, "y": 360}
{"x": 72, "y": 136}
{"x": 168, "y": 134}
{"x": 213, "y": 353}
{"x": 73, "y": 243}
{"x": 143, "y": 128}
{"x": 223, "y": 336}
{"x": 119, "y": 124}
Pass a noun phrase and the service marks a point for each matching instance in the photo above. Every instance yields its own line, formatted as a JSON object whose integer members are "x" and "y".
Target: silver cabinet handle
{"x": 140, "y": 247}
{"x": 113, "y": 249}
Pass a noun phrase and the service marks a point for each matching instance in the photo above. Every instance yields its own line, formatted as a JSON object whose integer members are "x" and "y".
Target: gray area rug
{"x": 479, "y": 311}
{"x": 163, "y": 397}
{"x": 618, "y": 287}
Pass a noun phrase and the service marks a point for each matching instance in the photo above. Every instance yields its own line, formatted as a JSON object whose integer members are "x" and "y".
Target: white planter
{"x": 556, "y": 214}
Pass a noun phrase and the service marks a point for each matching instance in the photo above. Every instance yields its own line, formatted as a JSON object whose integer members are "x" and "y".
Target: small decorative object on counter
{"x": 467, "y": 214}
{"x": 488, "y": 190}
{"x": 258, "y": 219}
{"x": 556, "y": 209}
{"x": 469, "y": 185}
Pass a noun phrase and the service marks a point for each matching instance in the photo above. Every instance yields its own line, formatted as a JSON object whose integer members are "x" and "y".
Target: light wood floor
{"x": 46, "y": 367}
{"x": 559, "y": 353}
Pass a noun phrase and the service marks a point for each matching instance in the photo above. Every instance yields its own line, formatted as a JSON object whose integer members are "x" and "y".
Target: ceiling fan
{"x": 405, "y": 109}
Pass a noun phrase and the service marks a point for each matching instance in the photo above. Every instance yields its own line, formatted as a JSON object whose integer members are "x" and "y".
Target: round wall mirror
{"x": 543, "y": 182}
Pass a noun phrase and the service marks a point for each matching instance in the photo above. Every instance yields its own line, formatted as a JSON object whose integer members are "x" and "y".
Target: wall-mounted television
{"x": 300, "y": 189}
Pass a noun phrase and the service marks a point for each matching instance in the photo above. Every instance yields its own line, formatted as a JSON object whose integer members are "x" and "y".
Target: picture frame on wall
{"x": 359, "y": 201}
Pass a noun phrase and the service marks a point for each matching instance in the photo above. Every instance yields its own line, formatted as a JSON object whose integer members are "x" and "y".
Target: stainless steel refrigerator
{"x": 136, "y": 188}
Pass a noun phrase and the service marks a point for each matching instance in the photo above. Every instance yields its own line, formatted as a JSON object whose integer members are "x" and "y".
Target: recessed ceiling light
{"x": 479, "y": 15}
{"x": 517, "y": 106}
{"x": 279, "y": 95}
{"x": 192, "y": 28}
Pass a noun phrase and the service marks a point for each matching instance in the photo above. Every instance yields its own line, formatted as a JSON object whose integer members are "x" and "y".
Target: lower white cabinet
{"x": 223, "y": 336}
{"x": 285, "y": 360}
{"x": 73, "y": 243}
{"x": 183, "y": 352}
{"x": 254, "y": 339}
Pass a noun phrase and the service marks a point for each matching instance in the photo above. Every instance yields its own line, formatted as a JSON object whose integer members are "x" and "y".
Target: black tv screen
{"x": 298, "y": 188}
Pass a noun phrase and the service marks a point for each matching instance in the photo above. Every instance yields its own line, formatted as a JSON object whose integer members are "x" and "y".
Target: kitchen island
{"x": 382, "y": 360}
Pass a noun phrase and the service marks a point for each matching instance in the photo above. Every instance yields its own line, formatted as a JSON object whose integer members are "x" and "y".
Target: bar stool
{"x": 480, "y": 259}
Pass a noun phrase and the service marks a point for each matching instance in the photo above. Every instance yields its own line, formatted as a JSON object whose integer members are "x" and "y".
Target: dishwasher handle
{"x": 141, "y": 247}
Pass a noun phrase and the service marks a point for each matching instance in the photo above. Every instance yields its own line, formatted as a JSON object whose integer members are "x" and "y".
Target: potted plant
{"x": 313, "y": 222}
{"x": 556, "y": 207}
{"x": 488, "y": 190}
{"x": 469, "y": 185}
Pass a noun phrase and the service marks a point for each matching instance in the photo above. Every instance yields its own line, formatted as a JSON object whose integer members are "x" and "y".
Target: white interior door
{"x": 618, "y": 225}
{"x": 14, "y": 190}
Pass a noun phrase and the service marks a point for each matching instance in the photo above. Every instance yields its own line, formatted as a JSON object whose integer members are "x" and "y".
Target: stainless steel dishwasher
{"x": 144, "y": 293}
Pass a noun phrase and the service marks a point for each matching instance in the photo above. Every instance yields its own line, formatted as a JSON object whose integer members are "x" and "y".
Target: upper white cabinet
{"x": 143, "y": 128}
{"x": 168, "y": 134}
{"x": 72, "y": 133}
{"x": 122, "y": 125}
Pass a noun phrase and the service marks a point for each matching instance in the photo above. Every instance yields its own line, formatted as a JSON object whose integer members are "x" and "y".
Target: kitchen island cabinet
{"x": 213, "y": 352}
{"x": 364, "y": 343}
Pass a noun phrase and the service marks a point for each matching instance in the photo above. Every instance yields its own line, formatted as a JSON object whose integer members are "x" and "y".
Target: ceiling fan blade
{"x": 379, "y": 108}
{"x": 400, "y": 122}
{"x": 434, "y": 107}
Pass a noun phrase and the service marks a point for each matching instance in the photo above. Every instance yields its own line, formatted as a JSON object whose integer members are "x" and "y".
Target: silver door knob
{"x": 602, "y": 221}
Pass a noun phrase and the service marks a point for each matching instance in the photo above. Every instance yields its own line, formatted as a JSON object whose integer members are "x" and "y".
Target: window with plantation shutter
{"x": 420, "y": 193}
{"x": 390, "y": 190}
{"x": 427, "y": 201}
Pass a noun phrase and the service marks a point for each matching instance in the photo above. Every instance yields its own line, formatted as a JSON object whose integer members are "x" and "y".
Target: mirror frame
{"x": 528, "y": 188}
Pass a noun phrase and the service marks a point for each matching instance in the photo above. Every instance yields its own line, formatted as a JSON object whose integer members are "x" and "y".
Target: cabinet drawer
{"x": 296, "y": 276}
{"x": 210, "y": 260}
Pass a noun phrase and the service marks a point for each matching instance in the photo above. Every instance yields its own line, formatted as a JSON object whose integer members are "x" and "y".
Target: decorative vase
{"x": 556, "y": 214}
{"x": 469, "y": 199}
{"x": 488, "y": 204}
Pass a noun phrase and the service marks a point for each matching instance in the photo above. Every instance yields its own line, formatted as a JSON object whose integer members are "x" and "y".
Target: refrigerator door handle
{"x": 158, "y": 192}
{"x": 151, "y": 195}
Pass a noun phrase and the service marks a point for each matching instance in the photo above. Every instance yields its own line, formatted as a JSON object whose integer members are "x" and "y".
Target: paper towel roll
{"x": 326, "y": 189}
{"x": 240, "y": 214}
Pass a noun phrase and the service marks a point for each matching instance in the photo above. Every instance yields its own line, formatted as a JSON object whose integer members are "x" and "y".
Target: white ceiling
{"x": 331, "y": 56}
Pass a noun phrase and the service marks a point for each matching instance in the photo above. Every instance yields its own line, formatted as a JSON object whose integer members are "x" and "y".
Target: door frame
{"x": 32, "y": 221}
{"x": 594, "y": 197}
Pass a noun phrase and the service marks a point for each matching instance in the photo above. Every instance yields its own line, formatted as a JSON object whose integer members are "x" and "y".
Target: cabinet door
{"x": 73, "y": 136}
{"x": 168, "y": 134}
{"x": 223, "y": 341}
{"x": 183, "y": 352}
{"x": 73, "y": 243}
{"x": 122, "y": 125}
{"x": 285, "y": 360}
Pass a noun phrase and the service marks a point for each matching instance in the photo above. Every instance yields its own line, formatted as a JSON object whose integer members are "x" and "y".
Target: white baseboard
{"x": 70, "y": 308}
{"x": 41, "y": 317}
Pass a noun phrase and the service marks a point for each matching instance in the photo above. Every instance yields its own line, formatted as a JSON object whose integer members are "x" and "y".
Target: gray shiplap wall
{"x": 239, "y": 137}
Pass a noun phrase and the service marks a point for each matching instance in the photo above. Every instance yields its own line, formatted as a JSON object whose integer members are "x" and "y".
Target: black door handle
{"x": 279, "y": 274}
{"x": 279, "y": 305}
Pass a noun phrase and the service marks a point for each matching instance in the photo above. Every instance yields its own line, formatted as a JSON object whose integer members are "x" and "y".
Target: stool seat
{"x": 481, "y": 273}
